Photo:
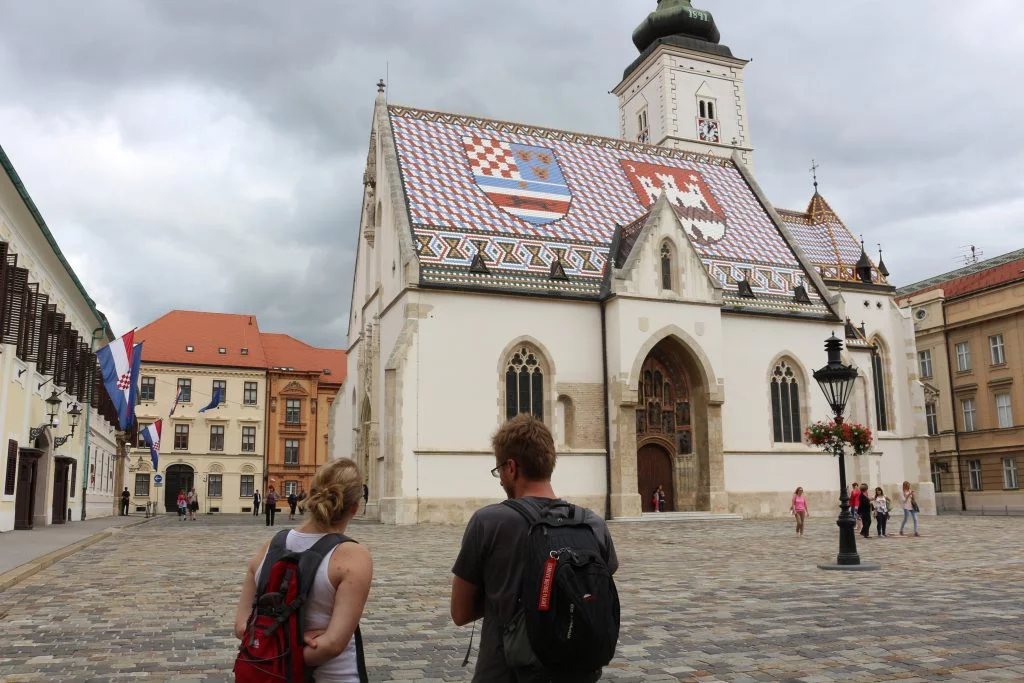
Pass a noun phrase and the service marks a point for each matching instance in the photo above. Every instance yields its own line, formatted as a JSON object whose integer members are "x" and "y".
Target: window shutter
{"x": 35, "y": 337}
{"x": 74, "y": 473}
{"x": 12, "y": 467}
{"x": 84, "y": 361}
{"x": 26, "y": 345}
{"x": 96, "y": 383}
{"x": 3, "y": 284}
{"x": 14, "y": 303}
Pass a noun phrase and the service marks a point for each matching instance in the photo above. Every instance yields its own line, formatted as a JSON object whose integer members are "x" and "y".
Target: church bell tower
{"x": 685, "y": 90}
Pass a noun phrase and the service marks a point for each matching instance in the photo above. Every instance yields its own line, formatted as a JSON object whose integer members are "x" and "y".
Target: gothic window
{"x": 666, "y": 266}
{"x": 524, "y": 384}
{"x": 786, "y": 404}
{"x": 878, "y": 377}
{"x": 663, "y": 407}
{"x": 643, "y": 129}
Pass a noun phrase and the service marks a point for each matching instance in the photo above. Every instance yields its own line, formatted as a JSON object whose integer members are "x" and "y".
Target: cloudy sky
{"x": 207, "y": 154}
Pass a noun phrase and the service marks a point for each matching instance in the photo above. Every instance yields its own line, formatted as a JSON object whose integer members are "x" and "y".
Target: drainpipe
{"x": 607, "y": 414}
{"x": 88, "y": 415}
{"x": 952, "y": 408}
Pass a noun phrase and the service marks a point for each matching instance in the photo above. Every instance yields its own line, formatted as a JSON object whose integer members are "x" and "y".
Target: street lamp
{"x": 836, "y": 381}
{"x": 74, "y": 414}
{"x": 52, "y": 406}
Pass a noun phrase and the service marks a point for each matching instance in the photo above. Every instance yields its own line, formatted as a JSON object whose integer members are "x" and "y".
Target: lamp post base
{"x": 863, "y": 567}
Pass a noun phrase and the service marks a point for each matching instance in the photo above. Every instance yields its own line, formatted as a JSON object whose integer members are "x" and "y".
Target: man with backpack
{"x": 538, "y": 570}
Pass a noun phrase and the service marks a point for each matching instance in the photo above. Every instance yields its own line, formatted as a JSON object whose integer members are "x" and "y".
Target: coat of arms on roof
{"x": 523, "y": 180}
{"x": 698, "y": 211}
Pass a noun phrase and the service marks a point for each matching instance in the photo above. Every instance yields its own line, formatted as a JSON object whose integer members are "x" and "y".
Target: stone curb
{"x": 32, "y": 567}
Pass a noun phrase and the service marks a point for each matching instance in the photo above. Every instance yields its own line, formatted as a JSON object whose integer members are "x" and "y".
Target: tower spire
{"x": 814, "y": 174}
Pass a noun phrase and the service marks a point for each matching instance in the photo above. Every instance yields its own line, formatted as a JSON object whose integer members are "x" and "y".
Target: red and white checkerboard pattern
{"x": 439, "y": 158}
{"x": 124, "y": 381}
{"x": 491, "y": 158}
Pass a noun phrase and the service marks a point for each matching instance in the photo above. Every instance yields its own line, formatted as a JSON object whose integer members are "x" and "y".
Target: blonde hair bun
{"x": 336, "y": 488}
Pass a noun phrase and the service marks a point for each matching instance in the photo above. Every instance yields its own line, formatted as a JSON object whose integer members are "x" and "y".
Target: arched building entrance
{"x": 176, "y": 478}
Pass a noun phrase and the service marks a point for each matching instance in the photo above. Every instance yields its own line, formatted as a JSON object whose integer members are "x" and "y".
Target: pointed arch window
{"x": 524, "y": 384}
{"x": 666, "y": 266}
{"x": 878, "y": 378}
{"x": 785, "y": 404}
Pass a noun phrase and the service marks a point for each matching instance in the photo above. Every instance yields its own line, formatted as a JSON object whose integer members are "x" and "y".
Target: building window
{"x": 181, "y": 437}
{"x": 185, "y": 390}
{"x": 878, "y": 379}
{"x": 147, "y": 389}
{"x": 248, "y": 439}
{"x": 247, "y": 486}
{"x": 974, "y": 475}
{"x": 291, "y": 452}
{"x": 524, "y": 385}
{"x": 217, "y": 438}
{"x": 141, "y": 443}
{"x": 786, "y": 404}
{"x": 1010, "y": 473}
{"x": 924, "y": 359}
{"x": 931, "y": 416}
{"x": 142, "y": 485}
{"x": 292, "y": 411}
{"x": 666, "y": 266}
{"x": 967, "y": 406}
{"x": 997, "y": 348}
{"x": 223, "y": 386}
{"x": 643, "y": 129}
{"x": 291, "y": 487}
{"x": 1004, "y": 411}
{"x": 936, "y": 477}
{"x": 214, "y": 485}
{"x": 249, "y": 397}
{"x": 963, "y": 357}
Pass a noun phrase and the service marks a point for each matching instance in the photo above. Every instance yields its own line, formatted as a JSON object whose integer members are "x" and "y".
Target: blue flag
{"x": 218, "y": 396}
{"x": 117, "y": 367}
{"x": 133, "y": 391}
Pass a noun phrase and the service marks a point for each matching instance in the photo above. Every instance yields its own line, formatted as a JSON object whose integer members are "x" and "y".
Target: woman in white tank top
{"x": 342, "y": 582}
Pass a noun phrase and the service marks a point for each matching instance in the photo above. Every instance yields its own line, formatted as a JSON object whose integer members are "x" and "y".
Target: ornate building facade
{"x": 647, "y": 301}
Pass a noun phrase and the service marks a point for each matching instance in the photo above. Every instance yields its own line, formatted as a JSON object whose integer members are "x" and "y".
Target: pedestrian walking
{"x": 881, "y": 505}
{"x": 910, "y": 507}
{"x": 293, "y": 501}
{"x": 799, "y": 509}
{"x": 302, "y": 501}
{"x": 655, "y": 499}
{"x": 366, "y": 496}
{"x": 866, "y": 508}
{"x": 855, "y": 504}
{"x": 496, "y": 552}
{"x": 337, "y": 598}
{"x": 182, "y": 504}
{"x": 256, "y": 504}
{"x": 125, "y": 498}
{"x": 193, "y": 504}
{"x": 661, "y": 498}
{"x": 270, "y": 506}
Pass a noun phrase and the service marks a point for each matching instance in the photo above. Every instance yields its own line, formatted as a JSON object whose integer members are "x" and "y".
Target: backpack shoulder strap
{"x": 278, "y": 548}
{"x": 309, "y": 560}
{"x": 527, "y": 510}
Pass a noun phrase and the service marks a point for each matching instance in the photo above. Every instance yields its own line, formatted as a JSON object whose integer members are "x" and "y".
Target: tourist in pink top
{"x": 855, "y": 503}
{"x": 799, "y": 509}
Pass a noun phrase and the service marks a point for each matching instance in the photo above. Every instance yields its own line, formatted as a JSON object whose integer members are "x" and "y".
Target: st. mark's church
{"x": 640, "y": 294}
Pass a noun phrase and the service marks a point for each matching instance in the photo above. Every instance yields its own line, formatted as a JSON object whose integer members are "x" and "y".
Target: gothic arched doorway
{"x": 177, "y": 477}
{"x": 671, "y": 401}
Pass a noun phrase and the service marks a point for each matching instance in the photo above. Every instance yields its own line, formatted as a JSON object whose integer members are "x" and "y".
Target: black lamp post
{"x": 73, "y": 414}
{"x": 836, "y": 381}
{"x": 52, "y": 406}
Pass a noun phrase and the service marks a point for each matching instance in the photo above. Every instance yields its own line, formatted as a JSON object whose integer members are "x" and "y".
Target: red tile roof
{"x": 167, "y": 340}
{"x": 285, "y": 351}
{"x": 1001, "y": 274}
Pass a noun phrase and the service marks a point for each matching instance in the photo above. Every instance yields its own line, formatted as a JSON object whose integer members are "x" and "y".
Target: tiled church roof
{"x": 827, "y": 242}
{"x": 992, "y": 272}
{"x": 525, "y": 197}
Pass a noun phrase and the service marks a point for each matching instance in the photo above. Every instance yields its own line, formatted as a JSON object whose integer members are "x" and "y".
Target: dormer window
{"x": 222, "y": 351}
{"x": 643, "y": 129}
{"x": 708, "y": 127}
{"x": 189, "y": 349}
{"x": 245, "y": 351}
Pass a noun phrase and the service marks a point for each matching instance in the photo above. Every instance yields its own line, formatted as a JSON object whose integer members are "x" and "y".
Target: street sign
{"x": 158, "y": 480}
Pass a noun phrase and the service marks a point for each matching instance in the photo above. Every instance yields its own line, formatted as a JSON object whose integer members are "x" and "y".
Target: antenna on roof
{"x": 971, "y": 256}
{"x": 814, "y": 174}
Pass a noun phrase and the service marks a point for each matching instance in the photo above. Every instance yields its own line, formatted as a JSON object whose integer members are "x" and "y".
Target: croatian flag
{"x": 116, "y": 364}
{"x": 133, "y": 392}
{"x": 177, "y": 400}
{"x": 218, "y": 396}
{"x": 151, "y": 435}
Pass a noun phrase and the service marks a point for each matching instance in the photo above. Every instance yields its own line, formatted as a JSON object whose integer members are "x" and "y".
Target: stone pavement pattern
{"x": 733, "y": 601}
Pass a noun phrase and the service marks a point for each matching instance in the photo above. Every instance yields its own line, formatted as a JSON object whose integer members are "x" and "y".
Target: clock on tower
{"x": 708, "y": 130}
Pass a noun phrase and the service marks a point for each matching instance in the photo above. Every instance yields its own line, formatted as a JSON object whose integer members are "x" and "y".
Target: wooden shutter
{"x": 26, "y": 341}
{"x": 82, "y": 384}
{"x": 61, "y": 374}
{"x": 12, "y": 467}
{"x": 4, "y": 249}
{"x": 74, "y": 346}
{"x": 14, "y": 302}
{"x": 97, "y": 384}
{"x": 35, "y": 341}
{"x": 54, "y": 324}
{"x": 74, "y": 473}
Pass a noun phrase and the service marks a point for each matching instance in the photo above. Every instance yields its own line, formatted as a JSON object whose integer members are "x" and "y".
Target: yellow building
{"x": 55, "y": 414}
{"x": 219, "y": 452}
{"x": 969, "y": 326}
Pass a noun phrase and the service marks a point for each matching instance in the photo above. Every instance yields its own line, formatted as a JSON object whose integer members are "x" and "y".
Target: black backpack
{"x": 567, "y": 624}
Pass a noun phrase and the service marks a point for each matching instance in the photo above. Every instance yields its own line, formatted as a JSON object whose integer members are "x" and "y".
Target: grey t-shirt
{"x": 490, "y": 559}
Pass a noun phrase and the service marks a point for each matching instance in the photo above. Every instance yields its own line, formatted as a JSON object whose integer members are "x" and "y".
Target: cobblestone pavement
{"x": 731, "y": 601}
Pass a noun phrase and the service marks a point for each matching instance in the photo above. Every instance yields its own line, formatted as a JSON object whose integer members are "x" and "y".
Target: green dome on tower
{"x": 676, "y": 22}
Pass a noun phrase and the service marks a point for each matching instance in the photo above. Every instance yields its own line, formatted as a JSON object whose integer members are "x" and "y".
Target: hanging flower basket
{"x": 827, "y": 434}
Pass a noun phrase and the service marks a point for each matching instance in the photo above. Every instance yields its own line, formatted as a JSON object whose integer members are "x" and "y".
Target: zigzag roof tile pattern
{"x": 524, "y": 197}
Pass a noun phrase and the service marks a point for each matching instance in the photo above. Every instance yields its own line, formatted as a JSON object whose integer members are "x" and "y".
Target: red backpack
{"x": 271, "y": 648}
